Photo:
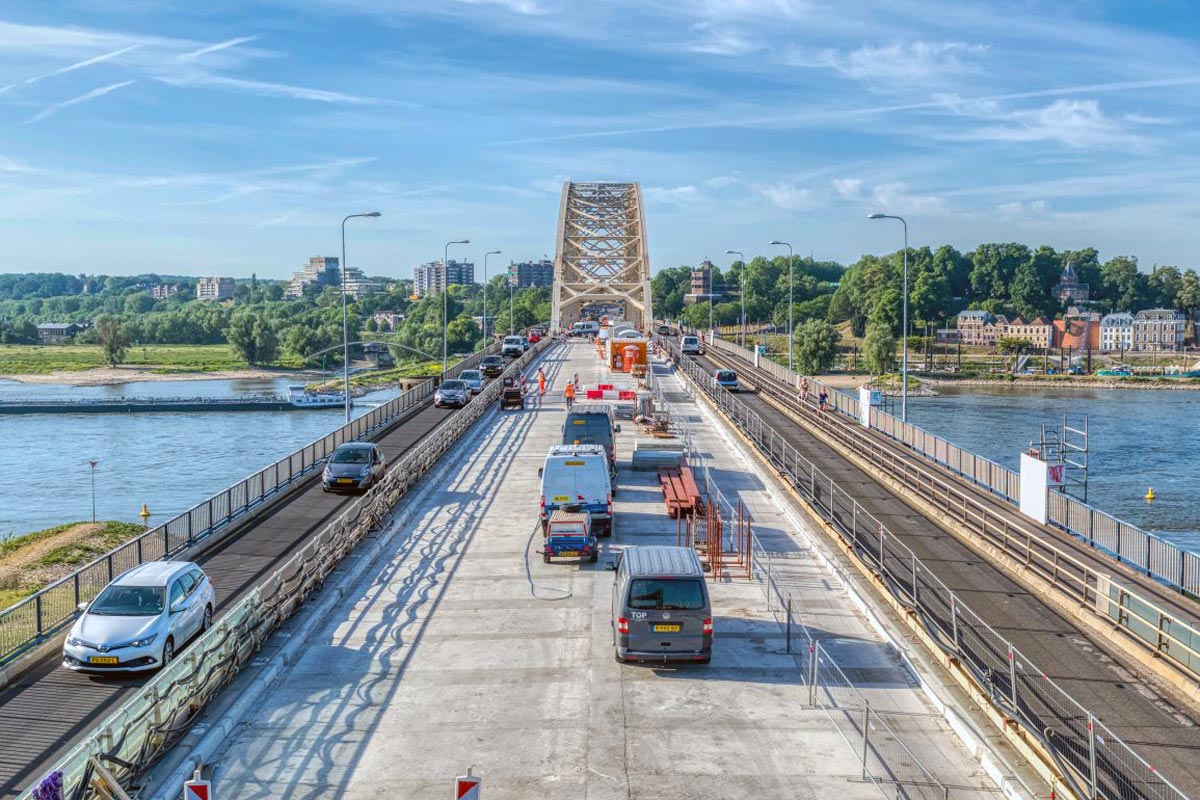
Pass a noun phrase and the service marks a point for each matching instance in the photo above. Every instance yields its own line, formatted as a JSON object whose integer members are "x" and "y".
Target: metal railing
{"x": 1095, "y": 760}
{"x": 46, "y": 612}
{"x": 151, "y": 721}
{"x": 1175, "y": 566}
{"x": 884, "y": 758}
{"x": 1162, "y": 631}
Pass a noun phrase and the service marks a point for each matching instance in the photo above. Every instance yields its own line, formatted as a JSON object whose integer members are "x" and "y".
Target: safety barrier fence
{"x": 884, "y": 757}
{"x": 1091, "y": 756}
{"x": 146, "y": 725}
{"x": 1174, "y": 639}
{"x": 42, "y": 614}
{"x": 1174, "y": 566}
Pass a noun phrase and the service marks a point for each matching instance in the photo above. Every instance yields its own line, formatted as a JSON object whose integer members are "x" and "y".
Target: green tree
{"x": 993, "y": 268}
{"x": 879, "y": 349}
{"x": 1012, "y": 345}
{"x": 112, "y": 338}
{"x": 1124, "y": 287}
{"x": 1188, "y": 297}
{"x": 816, "y": 346}
{"x": 1164, "y": 285}
{"x": 139, "y": 303}
{"x": 252, "y": 336}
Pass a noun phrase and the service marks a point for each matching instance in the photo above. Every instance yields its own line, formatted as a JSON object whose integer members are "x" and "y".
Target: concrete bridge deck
{"x": 463, "y": 648}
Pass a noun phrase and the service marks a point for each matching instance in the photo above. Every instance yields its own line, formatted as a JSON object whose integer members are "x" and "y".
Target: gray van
{"x": 660, "y": 606}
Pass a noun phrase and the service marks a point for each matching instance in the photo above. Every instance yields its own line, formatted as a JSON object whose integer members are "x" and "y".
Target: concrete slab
{"x": 465, "y": 649}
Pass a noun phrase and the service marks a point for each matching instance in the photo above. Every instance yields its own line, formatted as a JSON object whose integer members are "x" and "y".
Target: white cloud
{"x": 721, "y": 182}
{"x": 786, "y": 195}
{"x": 265, "y": 89}
{"x": 1074, "y": 123}
{"x": 213, "y": 48}
{"x": 70, "y": 68}
{"x": 895, "y": 198}
{"x": 50, "y": 111}
{"x": 847, "y": 187}
{"x": 677, "y": 195}
{"x": 550, "y": 185}
{"x": 1016, "y": 208}
{"x": 901, "y": 62}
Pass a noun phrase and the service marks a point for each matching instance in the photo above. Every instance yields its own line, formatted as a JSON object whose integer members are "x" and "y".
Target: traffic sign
{"x": 466, "y": 787}
{"x": 196, "y": 789}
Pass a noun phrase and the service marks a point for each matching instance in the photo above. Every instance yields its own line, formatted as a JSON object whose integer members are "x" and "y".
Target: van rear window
{"x": 666, "y": 594}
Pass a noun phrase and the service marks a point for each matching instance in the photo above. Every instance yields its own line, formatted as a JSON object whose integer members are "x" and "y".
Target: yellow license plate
{"x": 569, "y": 553}
{"x": 667, "y": 629}
{"x": 561, "y": 498}
{"x": 345, "y": 480}
{"x": 102, "y": 659}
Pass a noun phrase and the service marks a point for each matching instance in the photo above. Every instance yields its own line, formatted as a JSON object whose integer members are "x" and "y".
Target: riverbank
{"x": 34, "y": 560}
{"x": 112, "y": 376}
{"x": 1071, "y": 382}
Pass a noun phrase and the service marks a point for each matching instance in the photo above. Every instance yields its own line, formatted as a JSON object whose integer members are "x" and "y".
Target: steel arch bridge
{"x": 601, "y": 256}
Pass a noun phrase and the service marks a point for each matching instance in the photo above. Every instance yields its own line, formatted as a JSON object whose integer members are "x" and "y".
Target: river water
{"x": 168, "y": 460}
{"x": 1140, "y": 438}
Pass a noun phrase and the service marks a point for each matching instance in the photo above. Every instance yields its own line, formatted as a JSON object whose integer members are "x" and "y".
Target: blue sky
{"x": 225, "y": 137}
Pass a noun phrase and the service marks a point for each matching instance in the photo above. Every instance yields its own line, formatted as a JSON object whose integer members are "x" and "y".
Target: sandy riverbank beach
{"x": 109, "y": 376}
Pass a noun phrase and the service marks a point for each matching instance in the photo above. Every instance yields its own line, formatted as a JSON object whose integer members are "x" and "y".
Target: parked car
{"x": 491, "y": 366}
{"x": 660, "y": 606}
{"x": 453, "y": 392}
{"x": 473, "y": 378}
{"x": 353, "y": 466}
{"x": 726, "y": 379}
{"x": 513, "y": 347}
{"x": 534, "y": 337}
{"x": 569, "y": 535}
{"x": 577, "y": 475}
{"x": 690, "y": 345}
{"x": 141, "y": 619}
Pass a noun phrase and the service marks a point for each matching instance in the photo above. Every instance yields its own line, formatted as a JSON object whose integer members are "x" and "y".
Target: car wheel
{"x": 207, "y": 619}
{"x": 168, "y": 653}
{"x": 546, "y": 557}
{"x": 620, "y": 660}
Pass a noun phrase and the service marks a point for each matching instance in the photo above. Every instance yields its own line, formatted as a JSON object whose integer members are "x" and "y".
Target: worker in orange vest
{"x": 569, "y": 394}
{"x": 541, "y": 384}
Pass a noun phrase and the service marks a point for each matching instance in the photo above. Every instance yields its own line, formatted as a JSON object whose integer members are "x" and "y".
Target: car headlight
{"x": 74, "y": 641}
{"x": 145, "y": 641}
{"x": 364, "y": 472}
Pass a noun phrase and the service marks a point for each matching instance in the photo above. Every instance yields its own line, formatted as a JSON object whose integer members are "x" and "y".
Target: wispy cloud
{"x": 213, "y": 48}
{"x": 70, "y": 68}
{"x": 899, "y": 62}
{"x": 50, "y": 111}
{"x": 1078, "y": 124}
{"x": 787, "y": 195}
{"x": 266, "y": 89}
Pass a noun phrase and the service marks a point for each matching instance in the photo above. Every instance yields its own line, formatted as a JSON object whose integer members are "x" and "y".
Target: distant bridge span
{"x": 601, "y": 253}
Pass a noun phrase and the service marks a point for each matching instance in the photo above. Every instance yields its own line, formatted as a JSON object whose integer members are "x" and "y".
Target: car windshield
{"x": 352, "y": 455}
{"x": 726, "y": 375}
{"x": 471, "y": 374}
{"x": 454, "y": 385}
{"x": 660, "y": 594}
{"x": 129, "y": 601}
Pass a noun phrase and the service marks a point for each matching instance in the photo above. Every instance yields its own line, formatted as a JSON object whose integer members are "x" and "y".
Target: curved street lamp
{"x": 791, "y": 258}
{"x": 446, "y": 300}
{"x": 903, "y": 321}
{"x": 345, "y": 329}
{"x": 741, "y": 256}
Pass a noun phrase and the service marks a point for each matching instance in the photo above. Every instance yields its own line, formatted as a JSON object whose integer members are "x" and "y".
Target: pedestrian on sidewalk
{"x": 822, "y": 399}
{"x": 569, "y": 394}
{"x": 541, "y": 384}
{"x": 803, "y": 392}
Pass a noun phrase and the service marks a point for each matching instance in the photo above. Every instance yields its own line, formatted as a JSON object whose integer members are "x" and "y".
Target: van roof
{"x": 587, "y": 407}
{"x": 576, "y": 450}
{"x": 662, "y": 560}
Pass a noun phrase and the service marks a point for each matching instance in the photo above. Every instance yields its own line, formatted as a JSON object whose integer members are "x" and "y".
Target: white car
{"x": 141, "y": 619}
{"x": 473, "y": 378}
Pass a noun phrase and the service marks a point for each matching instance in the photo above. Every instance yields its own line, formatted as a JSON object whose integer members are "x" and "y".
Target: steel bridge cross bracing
{"x": 601, "y": 254}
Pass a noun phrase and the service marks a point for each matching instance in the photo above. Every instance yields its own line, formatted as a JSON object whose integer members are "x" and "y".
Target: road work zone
{"x": 462, "y": 647}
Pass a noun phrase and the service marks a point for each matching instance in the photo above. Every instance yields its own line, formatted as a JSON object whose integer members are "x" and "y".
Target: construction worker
{"x": 569, "y": 394}
{"x": 541, "y": 384}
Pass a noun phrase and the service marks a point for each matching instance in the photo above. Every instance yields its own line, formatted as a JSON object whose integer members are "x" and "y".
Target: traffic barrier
{"x": 43, "y": 614}
{"x": 150, "y": 722}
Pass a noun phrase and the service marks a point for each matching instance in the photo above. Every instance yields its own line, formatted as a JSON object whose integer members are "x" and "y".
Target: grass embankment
{"x": 372, "y": 380}
{"x": 23, "y": 359}
{"x": 31, "y": 561}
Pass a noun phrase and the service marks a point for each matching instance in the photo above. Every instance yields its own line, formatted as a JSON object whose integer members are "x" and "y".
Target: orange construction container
{"x": 631, "y": 355}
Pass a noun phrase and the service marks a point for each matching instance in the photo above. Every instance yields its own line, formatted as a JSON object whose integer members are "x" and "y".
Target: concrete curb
{"x": 992, "y": 763}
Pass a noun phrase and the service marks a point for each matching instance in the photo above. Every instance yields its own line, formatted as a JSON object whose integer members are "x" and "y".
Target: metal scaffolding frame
{"x": 601, "y": 255}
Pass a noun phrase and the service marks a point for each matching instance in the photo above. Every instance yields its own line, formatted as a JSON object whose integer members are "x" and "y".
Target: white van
{"x": 513, "y": 346}
{"x": 577, "y": 475}
{"x": 586, "y": 329}
{"x": 690, "y": 345}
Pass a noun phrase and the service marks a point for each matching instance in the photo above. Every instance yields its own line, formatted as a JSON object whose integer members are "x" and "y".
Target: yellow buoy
{"x": 1150, "y": 494}
{"x": 144, "y": 513}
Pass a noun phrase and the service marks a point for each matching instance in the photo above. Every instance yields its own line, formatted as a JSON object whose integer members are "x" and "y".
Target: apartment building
{"x": 432, "y": 278}
{"x": 1158, "y": 329}
{"x": 215, "y": 288}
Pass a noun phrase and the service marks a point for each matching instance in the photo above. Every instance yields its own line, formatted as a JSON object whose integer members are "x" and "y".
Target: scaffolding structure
{"x": 1066, "y": 445}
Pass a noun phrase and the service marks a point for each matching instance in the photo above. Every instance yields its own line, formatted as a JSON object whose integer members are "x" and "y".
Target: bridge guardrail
{"x": 1099, "y": 763}
{"x": 883, "y": 755}
{"x": 1178, "y": 568}
{"x": 151, "y": 721}
{"x": 44, "y": 613}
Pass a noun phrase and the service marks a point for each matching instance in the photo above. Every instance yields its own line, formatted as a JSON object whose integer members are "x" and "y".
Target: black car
{"x": 492, "y": 365}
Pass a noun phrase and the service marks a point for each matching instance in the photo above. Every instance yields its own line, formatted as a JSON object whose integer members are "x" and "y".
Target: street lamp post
{"x": 93, "y": 463}
{"x": 485, "y": 282}
{"x": 345, "y": 329}
{"x": 791, "y": 363}
{"x": 446, "y": 301}
{"x": 903, "y": 321}
{"x": 510, "y": 304}
{"x": 742, "y": 320}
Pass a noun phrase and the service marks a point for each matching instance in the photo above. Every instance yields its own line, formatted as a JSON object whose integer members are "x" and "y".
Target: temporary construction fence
{"x": 1170, "y": 637}
{"x": 1127, "y": 543}
{"x": 44, "y": 613}
{"x": 732, "y": 548}
{"x": 1096, "y": 762}
{"x": 146, "y": 725}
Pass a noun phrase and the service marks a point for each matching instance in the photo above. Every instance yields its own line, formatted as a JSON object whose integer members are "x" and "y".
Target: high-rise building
{"x": 320, "y": 271}
{"x": 531, "y": 273}
{"x": 214, "y": 288}
{"x": 432, "y": 278}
